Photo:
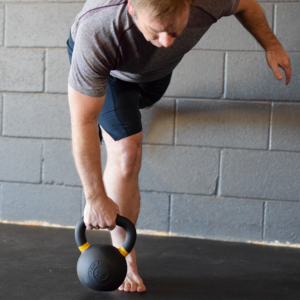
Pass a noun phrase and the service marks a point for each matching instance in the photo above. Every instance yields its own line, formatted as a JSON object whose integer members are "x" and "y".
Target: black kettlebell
{"x": 103, "y": 267}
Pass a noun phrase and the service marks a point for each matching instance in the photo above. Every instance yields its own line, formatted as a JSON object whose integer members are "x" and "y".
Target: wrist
{"x": 271, "y": 43}
{"x": 95, "y": 197}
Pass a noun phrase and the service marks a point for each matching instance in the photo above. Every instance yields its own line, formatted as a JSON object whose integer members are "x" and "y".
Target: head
{"x": 161, "y": 22}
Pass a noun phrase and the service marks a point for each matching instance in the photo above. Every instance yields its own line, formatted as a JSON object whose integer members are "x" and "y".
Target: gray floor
{"x": 40, "y": 263}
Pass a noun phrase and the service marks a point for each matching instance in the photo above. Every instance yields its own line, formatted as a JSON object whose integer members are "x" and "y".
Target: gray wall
{"x": 221, "y": 155}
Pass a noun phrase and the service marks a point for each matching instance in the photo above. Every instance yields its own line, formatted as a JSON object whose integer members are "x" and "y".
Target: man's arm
{"x": 252, "y": 16}
{"x": 100, "y": 211}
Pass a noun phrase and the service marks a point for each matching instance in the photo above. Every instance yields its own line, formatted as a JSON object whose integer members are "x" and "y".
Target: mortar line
{"x": 275, "y": 19}
{"x": 33, "y": 92}
{"x": 204, "y": 147}
{"x": 264, "y": 221}
{"x": 36, "y": 47}
{"x": 40, "y": 184}
{"x": 37, "y": 138}
{"x": 62, "y": 185}
{"x": 169, "y": 213}
{"x": 42, "y": 162}
{"x": 52, "y": 2}
{"x": 270, "y": 126}
{"x": 2, "y": 115}
{"x": 175, "y": 122}
{"x": 219, "y": 196}
{"x": 238, "y": 100}
{"x": 4, "y": 25}
{"x": 218, "y": 190}
{"x": 225, "y": 75}
{"x": 45, "y": 69}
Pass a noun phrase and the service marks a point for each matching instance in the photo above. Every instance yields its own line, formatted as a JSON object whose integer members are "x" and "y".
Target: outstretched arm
{"x": 100, "y": 211}
{"x": 252, "y": 17}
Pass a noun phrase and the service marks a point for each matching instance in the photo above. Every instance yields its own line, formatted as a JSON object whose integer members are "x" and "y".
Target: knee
{"x": 130, "y": 159}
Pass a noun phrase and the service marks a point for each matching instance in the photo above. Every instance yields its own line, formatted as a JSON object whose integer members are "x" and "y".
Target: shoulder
{"x": 101, "y": 6}
{"x": 217, "y": 8}
{"x": 101, "y": 16}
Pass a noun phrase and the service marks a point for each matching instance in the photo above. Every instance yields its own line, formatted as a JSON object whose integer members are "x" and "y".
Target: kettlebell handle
{"x": 123, "y": 222}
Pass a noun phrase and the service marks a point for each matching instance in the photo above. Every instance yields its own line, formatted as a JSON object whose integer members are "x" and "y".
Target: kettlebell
{"x": 103, "y": 267}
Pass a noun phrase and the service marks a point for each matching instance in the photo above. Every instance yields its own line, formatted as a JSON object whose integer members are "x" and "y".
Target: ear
{"x": 130, "y": 8}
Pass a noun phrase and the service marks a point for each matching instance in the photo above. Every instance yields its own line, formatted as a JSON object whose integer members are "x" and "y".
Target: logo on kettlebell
{"x": 100, "y": 272}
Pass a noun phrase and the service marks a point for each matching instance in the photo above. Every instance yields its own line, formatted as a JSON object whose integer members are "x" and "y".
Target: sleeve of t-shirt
{"x": 91, "y": 65}
{"x": 230, "y": 7}
{"x": 218, "y": 8}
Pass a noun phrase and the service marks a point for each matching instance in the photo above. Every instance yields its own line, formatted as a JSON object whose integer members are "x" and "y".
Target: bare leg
{"x": 121, "y": 184}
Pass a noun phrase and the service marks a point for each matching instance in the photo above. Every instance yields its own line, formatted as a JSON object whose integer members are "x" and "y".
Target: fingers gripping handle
{"x": 130, "y": 239}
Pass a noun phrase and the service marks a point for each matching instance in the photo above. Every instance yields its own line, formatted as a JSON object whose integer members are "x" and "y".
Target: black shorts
{"x": 120, "y": 116}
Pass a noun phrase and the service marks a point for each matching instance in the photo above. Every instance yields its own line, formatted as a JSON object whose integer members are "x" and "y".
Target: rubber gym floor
{"x": 40, "y": 263}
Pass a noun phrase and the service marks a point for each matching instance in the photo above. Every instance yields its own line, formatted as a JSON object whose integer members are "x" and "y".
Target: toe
{"x": 141, "y": 288}
{"x": 127, "y": 287}
{"x": 121, "y": 288}
{"x": 133, "y": 287}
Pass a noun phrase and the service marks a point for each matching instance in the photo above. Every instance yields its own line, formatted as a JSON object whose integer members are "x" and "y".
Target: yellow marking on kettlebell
{"x": 84, "y": 247}
{"x": 123, "y": 251}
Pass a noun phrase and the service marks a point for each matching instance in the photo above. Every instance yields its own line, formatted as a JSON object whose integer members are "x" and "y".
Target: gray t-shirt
{"x": 107, "y": 42}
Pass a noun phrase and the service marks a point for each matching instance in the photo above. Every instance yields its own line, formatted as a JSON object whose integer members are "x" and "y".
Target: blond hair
{"x": 161, "y": 9}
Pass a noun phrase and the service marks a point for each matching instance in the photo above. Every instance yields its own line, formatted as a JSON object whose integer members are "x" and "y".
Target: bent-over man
{"x": 122, "y": 56}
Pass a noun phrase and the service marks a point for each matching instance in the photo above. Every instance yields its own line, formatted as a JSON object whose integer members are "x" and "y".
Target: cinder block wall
{"x": 221, "y": 155}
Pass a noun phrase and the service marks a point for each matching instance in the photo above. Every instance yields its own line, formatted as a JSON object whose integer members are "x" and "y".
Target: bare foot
{"x": 133, "y": 282}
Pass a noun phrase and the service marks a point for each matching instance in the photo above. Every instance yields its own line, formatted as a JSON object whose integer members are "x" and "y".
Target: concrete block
{"x": 216, "y": 218}
{"x": 158, "y": 123}
{"x": 199, "y": 74}
{"x": 260, "y": 174}
{"x": 21, "y": 70}
{"x": 154, "y": 212}
{"x": 285, "y": 126}
{"x": 282, "y": 222}
{"x": 41, "y": 203}
{"x": 39, "y": 25}
{"x": 288, "y": 25}
{"x": 179, "y": 169}
{"x": 1, "y": 24}
{"x": 36, "y": 115}
{"x": 57, "y": 71}
{"x": 59, "y": 165}
{"x": 223, "y": 124}
{"x": 229, "y": 34}
{"x": 249, "y": 77}
{"x": 20, "y": 160}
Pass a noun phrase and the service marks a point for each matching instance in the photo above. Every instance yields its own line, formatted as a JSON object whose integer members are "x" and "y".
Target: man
{"x": 124, "y": 52}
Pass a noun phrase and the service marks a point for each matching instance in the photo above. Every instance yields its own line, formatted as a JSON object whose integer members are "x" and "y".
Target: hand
{"x": 101, "y": 213}
{"x": 277, "y": 57}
